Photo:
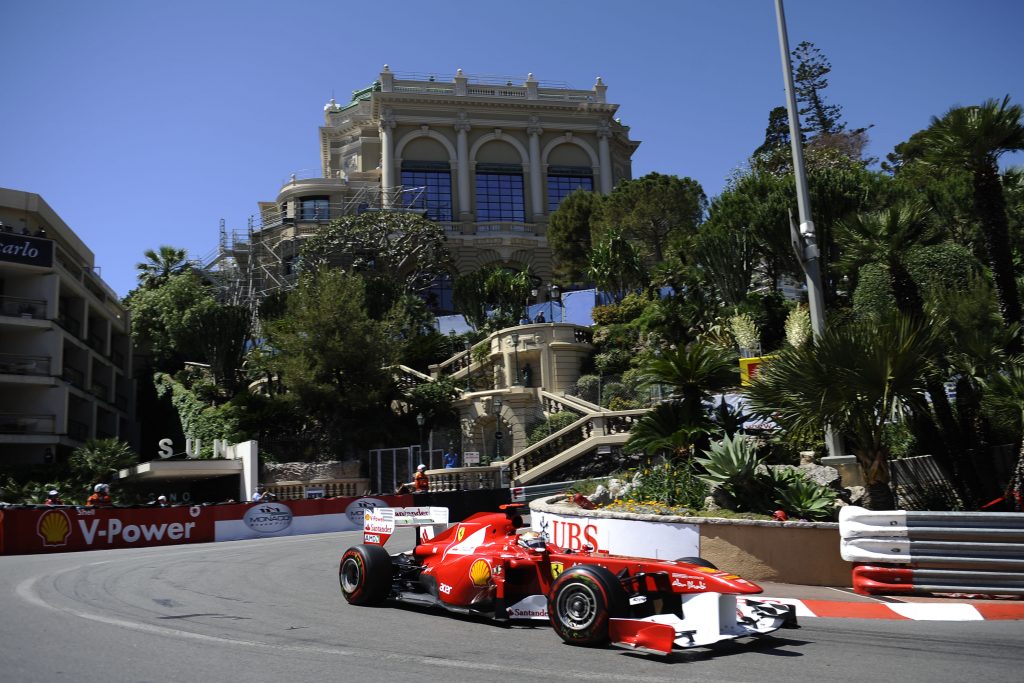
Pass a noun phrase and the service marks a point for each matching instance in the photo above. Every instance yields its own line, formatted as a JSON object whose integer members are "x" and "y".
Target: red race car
{"x": 488, "y": 565}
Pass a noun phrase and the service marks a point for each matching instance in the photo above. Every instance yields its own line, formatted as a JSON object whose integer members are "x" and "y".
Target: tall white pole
{"x": 811, "y": 266}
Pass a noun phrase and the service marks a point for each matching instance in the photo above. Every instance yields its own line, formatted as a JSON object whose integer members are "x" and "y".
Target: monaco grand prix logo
{"x": 54, "y": 528}
{"x": 268, "y": 518}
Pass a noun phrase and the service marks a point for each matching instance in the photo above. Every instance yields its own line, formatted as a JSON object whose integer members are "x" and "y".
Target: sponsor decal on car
{"x": 358, "y": 507}
{"x": 480, "y": 573}
{"x": 530, "y": 607}
{"x": 690, "y": 584}
{"x": 371, "y": 538}
{"x": 445, "y": 588}
{"x": 460, "y": 534}
{"x": 556, "y": 569}
{"x": 268, "y": 518}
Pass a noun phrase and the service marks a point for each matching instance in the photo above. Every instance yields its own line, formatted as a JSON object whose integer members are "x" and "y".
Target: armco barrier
{"x": 934, "y": 552}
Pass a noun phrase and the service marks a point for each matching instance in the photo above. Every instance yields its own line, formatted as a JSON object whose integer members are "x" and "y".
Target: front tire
{"x": 581, "y": 602}
{"x": 365, "y": 575}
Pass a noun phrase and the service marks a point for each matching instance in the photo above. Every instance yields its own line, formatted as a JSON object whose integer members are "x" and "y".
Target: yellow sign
{"x": 749, "y": 368}
{"x": 556, "y": 569}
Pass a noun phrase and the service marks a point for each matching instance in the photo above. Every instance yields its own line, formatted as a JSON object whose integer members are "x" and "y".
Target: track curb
{"x": 905, "y": 611}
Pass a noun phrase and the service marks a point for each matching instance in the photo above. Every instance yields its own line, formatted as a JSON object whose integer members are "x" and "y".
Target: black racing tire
{"x": 365, "y": 574}
{"x": 699, "y": 561}
{"x": 581, "y": 602}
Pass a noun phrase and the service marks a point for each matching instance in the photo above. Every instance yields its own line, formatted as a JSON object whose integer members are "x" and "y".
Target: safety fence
{"x": 933, "y": 552}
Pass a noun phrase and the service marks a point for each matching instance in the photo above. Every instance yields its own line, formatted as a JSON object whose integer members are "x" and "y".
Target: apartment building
{"x": 65, "y": 352}
{"x": 488, "y": 158}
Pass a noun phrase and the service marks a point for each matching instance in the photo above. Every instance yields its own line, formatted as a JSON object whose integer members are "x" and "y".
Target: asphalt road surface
{"x": 270, "y": 610}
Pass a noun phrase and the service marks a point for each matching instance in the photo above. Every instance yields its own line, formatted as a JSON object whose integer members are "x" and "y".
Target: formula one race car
{"x": 487, "y": 565}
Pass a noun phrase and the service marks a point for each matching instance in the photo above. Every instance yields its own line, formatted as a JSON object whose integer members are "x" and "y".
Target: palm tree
{"x": 856, "y": 379}
{"x": 680, "y": 425}
{"x": 886, "y": 237}
{"x": 161, "y": 264}
{"x": 671, "y": 430}
{"x": 1004, "y": 397}
{"x": 694, "y": 372}
{"x": 974, "y": 138}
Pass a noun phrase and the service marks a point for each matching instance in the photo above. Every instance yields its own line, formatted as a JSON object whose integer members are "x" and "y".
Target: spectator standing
{"x": 421, "y": 482}
{"x": 451, "y": 458}
{"x": 540, "y": 317}
{"x": 100, "y": 497}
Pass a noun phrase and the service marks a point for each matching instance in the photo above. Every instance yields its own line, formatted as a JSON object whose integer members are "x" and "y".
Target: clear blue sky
{"x": 145, "y": 123}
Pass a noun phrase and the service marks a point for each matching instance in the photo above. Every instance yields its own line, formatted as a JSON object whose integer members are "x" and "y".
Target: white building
{"x": 65, "y": 352}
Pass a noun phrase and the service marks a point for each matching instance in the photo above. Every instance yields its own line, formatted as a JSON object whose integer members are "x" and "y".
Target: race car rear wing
{"x": 380, "y": 523}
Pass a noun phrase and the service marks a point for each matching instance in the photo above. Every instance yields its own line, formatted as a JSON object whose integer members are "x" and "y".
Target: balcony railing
{"x": 72, "y": 325}
{"x": 78, "y": 430}
{"x": 99, "y": 390}
{"x": 75, "y": 377}
{"x": 99, "y": 344}
{"x": 12, "y": 364}
{"x": 23, "y": 423}
{"x": 503, "y": 226}
{"x": 20, "y": 307}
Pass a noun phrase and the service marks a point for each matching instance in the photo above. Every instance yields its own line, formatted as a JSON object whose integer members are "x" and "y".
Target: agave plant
{"x": 804, "y": 499}
{"x": 731, "y": 465}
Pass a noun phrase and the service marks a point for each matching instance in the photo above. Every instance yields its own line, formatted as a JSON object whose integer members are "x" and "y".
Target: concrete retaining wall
{"x": 804, "y": 553}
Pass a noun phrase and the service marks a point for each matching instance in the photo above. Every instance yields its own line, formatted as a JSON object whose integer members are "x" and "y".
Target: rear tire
{"x": 581, "y": 602}
{"x": 365, "y": 575}
{"x": 699, "y": 561}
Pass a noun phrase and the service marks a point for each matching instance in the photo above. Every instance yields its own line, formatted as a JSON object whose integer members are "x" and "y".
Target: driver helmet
{"x": 99, "y": 487}
{"x": 421, "y": 467}
{"x": 532, "y": 540}
{"x": 53, "y": 492}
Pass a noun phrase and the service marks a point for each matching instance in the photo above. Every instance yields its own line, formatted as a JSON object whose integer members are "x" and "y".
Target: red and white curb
{"x": 917, "y": 611}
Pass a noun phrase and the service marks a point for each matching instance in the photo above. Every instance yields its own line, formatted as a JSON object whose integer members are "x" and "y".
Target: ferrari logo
{"x": 460, "y": 533}
{"x": 556, "y": 569}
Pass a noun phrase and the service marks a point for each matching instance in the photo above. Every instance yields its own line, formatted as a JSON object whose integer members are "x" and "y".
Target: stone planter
{"x": 804, "y": 553}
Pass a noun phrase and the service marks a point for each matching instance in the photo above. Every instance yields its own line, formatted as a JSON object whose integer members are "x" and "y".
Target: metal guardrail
{"x": 904, "y": 552}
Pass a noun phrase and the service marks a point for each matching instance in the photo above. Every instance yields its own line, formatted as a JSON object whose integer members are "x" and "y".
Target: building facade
{"x": 489, "y": 159}
{"x": 65, "y": 351}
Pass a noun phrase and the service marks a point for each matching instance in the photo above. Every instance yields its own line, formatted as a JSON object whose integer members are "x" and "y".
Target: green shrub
{"x": 802, "y": 498}
{"x": 551, "y": 424}
{"x": 671, "y": 483}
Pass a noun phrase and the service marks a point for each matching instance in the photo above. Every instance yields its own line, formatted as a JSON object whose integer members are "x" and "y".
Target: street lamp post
{"x": 420, "y": 421}
{"x": 554, "y": 295}
{"x": 805, "y": 243}
{"x": 469, "y": 366}
{"x": 515, "y": 345}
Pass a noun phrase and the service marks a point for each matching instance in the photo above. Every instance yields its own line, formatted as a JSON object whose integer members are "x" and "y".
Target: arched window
{"x": 499, "y": 193}
{"x": 564, "y": 180}
{"x": 432, "y": 181}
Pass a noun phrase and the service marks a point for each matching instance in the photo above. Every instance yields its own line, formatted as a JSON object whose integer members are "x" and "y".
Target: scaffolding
{"x": 252, "y": 264}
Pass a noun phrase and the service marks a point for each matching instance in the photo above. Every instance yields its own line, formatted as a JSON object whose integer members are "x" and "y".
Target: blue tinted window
{"x": 314, "y": 209}
{"x": 499, "y": 197}
{"x": 561, "y": 186}
{"x": 436, "y": 194}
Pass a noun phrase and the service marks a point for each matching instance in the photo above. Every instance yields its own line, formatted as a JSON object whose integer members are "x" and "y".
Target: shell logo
{"x": 480, "y": 573}
{"x": 54, "y": 527}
